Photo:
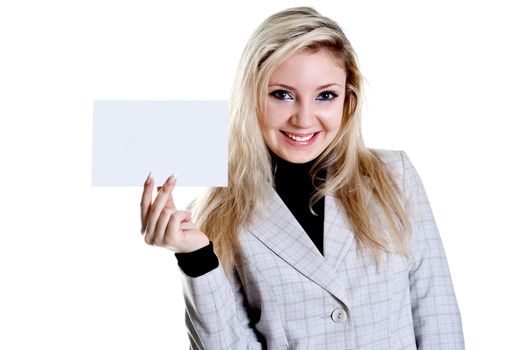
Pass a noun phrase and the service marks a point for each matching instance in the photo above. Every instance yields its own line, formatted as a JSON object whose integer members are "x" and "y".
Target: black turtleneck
{"x": 295, "y": 187}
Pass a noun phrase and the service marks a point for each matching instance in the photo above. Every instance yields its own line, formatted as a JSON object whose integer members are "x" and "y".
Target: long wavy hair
{"x": 355, "y": 173}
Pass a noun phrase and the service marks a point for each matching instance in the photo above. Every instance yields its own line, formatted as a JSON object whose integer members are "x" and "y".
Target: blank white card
{"x": 132, "y": 138}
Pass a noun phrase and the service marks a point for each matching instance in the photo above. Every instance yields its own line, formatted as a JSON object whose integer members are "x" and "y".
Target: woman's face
{"x": 304, "y": 106}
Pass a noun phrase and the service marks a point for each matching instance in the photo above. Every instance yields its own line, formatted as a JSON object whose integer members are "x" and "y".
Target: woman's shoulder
{"x": 393, "y": 160}
{"x": 399, "y": 164}
{"x": 388, "y": 156}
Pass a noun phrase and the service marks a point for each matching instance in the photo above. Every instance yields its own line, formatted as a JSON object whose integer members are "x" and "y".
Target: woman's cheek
{"x": 276, "y": 112}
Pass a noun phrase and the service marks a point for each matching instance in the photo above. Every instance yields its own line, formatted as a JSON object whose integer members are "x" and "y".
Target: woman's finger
{"x": 187, "y": 225}
{"x": 174, "y": 227}
{"x": 157, "y": 236}
{"x": 171, "y": 203}
{"x": 169, "y": 223}
{"x": 159, "y": 203}
{"x": 145, "y": 202}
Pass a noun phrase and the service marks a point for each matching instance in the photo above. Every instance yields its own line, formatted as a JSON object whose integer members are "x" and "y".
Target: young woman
{"x": 318, "y": 242}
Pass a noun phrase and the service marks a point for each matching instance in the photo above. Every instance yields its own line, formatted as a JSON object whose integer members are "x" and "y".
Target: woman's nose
{"x": 304, "y": 116}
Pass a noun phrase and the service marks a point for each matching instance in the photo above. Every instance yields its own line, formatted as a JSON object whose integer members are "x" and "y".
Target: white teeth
{"x": 297, "y": 138}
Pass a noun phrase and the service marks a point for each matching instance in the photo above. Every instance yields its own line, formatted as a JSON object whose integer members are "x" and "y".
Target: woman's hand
{"x": 165, "y": 226}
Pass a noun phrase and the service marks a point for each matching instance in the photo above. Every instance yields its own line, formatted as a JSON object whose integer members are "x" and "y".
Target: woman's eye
{"x": 281, "y": 94}
{"x": 327, "y": 95}
{"x": 285, "y": 95}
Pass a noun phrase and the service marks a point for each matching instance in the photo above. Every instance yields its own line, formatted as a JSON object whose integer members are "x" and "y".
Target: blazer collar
{"x": 276, "y": 227}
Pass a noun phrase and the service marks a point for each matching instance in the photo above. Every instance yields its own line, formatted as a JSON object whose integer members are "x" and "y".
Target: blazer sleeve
{"x": 435, "y": 312}
{"x": 216, "y": 317}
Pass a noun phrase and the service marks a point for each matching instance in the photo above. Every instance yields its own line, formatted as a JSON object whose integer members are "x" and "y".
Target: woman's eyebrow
{"x": 291, "y": 88}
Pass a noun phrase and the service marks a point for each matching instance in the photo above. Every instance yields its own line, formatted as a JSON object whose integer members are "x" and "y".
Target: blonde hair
{"x": 353, "y": 170}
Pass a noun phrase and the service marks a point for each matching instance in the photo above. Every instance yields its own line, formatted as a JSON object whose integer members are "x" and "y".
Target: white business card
{"x": 132, "y": 138}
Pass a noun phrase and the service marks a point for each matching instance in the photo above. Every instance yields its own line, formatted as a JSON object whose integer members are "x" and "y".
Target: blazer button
{"x": 339, "y": 315}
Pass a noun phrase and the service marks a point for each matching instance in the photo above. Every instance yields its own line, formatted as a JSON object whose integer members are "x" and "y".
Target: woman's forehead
{"x": 312, "y": 69}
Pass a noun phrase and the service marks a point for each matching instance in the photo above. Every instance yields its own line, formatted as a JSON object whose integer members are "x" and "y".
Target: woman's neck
{"x": 292, "y": 174}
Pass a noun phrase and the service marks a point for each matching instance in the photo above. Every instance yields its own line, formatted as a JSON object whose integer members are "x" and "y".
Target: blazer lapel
{"x": 338, "y": 237}
{"x": 276, "y": 227}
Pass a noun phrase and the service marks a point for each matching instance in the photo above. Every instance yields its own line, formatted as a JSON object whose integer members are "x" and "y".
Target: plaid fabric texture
{"x": 285, "y": 295}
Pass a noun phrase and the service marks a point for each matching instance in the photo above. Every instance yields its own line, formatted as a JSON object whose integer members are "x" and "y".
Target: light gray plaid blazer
{"x": 286, "y": 295}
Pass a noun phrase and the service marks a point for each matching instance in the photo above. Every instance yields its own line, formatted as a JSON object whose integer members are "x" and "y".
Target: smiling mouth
{"x": 299, "y": 137}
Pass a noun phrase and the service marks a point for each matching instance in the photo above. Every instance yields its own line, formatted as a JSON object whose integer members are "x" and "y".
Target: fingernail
{"x": 148, "y": 179}
{"x": 172, "y": 178}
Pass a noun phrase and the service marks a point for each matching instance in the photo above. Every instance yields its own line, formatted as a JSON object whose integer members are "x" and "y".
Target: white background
{"x": 444, "y": 83}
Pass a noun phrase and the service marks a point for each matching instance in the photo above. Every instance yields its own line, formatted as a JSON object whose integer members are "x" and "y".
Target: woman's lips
{"x": 300, "y": 139}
